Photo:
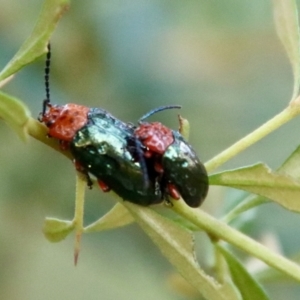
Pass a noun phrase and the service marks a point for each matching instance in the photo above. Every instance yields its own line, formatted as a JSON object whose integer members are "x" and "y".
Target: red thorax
{"x": 64, "y": 121}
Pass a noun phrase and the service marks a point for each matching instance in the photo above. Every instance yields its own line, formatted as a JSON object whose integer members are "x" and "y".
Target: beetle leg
{"x": 168, "y": 203}
{"x": 82, "y": 170}
{"x": 64, "y": 145}
{"x": 103, "y": 186}
{"x": 142, "y": 162}
{"x": 173, "y": 192}
{"x": 184, "y": 127}
{"x": 89, "y": 180}
{"x": 158, "y": 167}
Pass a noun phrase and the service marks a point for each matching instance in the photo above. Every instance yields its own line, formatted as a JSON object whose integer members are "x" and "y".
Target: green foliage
{"x": 118, "y": 216}
{"x": 259, "y": 179}
{"x": 286, "y": 20}
{"x": 15, "y": 114}
{"x": 248, "y": 287}
{"x": 176, "y": 241}
{"x": 36, "y": 44}
{"x": 56, "y": 230}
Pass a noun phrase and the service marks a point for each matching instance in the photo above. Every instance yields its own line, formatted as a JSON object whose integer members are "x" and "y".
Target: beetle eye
{"x": 49, "y": 123}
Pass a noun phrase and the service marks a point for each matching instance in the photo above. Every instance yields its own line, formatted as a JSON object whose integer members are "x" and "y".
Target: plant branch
{"x": 283, "y": 117}
{"x": 39, "y": 131}
{"x": 79, "y": 213}
{"x": 222, "y": 231}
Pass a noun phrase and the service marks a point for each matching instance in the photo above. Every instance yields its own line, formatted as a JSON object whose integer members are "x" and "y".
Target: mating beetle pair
{"x": 143, "y": 163}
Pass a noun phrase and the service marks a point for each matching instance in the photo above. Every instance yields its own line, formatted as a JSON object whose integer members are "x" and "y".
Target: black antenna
{"x": 47, "y": 75}
{"x": 155, "y": 110}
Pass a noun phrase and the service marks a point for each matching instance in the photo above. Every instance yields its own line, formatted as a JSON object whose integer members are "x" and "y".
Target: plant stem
{"x": 39, "y": 131}
{"x": 248, "y": 203}
{"x": 79, "y": 212}
{"x": 222, "y": 231}
{"x": 283, "y": 117}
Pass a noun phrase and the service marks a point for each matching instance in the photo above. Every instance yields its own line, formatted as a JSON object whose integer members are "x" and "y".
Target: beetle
{"x": 143, "y": 164}
{"x": 182, "y": 173}
{"x": 103, "y": 146}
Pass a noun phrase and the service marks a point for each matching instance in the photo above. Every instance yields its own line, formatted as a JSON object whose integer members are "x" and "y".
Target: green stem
{"x": 248, "y": 203}
{"x": 39, "y": 131}
{"x": 223, "y": 231}
{"x": 283, "y": 117}
{"x": 79, "y": 213}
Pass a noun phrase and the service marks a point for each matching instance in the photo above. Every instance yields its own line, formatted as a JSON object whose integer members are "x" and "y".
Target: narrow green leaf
{"x": 291, "y": 166}
{"x": 286, "y": 20}
{"x": 118, "y": 216}
{"x": 249, "y": 288}
{"x": 6, "y": 81}
{"x": 15, "y": 114}
{"x": 260, "y": 180}
{"x": 35, "y": 45}
{"x": 177, "y": 244}
{"x": 56, "y": 230}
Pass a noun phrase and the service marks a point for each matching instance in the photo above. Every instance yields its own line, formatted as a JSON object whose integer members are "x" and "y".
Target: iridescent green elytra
{"x": 103, "y": 148}
{"x": 183, "y": 167}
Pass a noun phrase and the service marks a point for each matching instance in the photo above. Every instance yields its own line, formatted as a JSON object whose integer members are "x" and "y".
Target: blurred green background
{"x": 221, "y": 60}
